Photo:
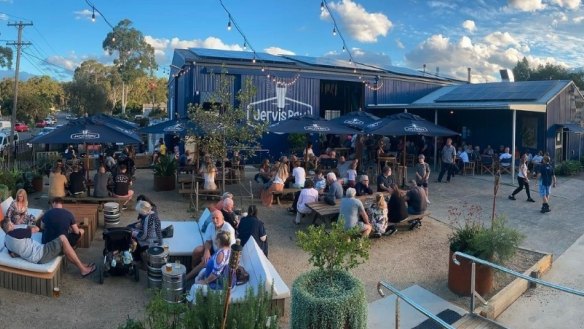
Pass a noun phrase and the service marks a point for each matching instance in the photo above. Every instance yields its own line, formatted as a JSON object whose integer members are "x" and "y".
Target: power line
{"x": 47, "y": 62}
{"x": 40, "y": 70}
{"x": 94, "y": 8}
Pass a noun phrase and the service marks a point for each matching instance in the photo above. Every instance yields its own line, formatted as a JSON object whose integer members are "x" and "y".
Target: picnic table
{"x": 323, "y": 209}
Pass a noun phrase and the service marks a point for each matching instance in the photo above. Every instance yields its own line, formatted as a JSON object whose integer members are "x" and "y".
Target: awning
{"x": 573, "y": 127}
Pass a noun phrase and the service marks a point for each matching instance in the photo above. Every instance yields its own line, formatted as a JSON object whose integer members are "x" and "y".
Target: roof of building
{"x": 519, "y": 95}
{"x": 183, "y": 56}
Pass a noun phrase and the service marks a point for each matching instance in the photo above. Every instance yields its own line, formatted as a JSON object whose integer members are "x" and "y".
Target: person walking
{"x": 448, "y": 155}
{"x": 546, "y": 178}
{"x": 522, "y": 180}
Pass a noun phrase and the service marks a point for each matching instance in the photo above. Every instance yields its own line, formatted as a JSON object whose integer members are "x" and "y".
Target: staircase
{"x": 473, "y": 321}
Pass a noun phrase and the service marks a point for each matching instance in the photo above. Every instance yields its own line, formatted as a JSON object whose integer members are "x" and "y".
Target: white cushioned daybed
{"x": 18, "y": 274}
{"x": 6, "y": 204}
{"x": 187, "y": 236}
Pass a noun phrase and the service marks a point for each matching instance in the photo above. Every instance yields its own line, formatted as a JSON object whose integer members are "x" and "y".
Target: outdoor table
{"x": 323, "y": 209}
{"x": 383, "y": 160}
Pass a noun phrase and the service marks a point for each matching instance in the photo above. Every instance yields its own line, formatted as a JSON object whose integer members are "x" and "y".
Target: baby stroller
{"x": 117, "y": 254}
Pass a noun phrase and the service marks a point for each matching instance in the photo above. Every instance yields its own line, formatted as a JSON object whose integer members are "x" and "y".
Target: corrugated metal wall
{"x": 398, "y": 91}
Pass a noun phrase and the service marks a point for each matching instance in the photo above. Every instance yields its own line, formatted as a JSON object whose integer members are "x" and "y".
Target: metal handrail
{"x": 508, "y": 271}
{"x": 415, "y": 305}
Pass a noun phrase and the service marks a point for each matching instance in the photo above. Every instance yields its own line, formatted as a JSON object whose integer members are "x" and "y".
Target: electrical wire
{"x": 47, "y": 62}
{"x": 40, "y": 70}
{"x": 99, "y": 12}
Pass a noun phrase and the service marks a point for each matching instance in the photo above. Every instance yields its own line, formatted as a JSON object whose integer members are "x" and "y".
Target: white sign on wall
{"x": 277, "y": 111}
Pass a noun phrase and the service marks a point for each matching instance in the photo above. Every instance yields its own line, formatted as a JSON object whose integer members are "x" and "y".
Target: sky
{"x": 447, "y": 36}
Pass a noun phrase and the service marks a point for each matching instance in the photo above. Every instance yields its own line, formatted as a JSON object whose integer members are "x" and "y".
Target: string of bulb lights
{"x": 337, "y": 31}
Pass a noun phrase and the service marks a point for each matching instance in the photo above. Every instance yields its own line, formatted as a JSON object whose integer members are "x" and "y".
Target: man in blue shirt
{"x": 546, "y": 178}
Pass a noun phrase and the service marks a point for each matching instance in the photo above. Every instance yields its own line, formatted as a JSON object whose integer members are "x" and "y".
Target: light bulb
{"x": 344, "y": 49}
{"x": 253, "y": 60}
{"x": 113, "y": 39}
{"x": 263, "y": 69}
{"x": 334, "y": 31}
{"x": 268, "y": 75}
{"x": 93, "y": 15}
{"x": 244, "y": 45}
{"x": 354, "y": 70}
{"x": 229, "y": 26}
{"x": 322, "y": 5}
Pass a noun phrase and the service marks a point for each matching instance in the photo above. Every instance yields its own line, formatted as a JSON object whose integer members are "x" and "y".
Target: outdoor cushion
{"x": 6, "y": 204}
{"x": 21, "y": 264}
{"x": 204, "y": 220}
{"x": 185, "y": 239}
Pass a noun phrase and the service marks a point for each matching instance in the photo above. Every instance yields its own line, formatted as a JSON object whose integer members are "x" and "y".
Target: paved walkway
{"x": 559, "y": 232}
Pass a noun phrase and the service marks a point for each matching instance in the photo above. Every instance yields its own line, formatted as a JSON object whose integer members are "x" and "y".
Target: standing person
{"x": 378, "y": 215}
{"x": 546, "y": 178}
{"x": 252, "y": 226}
{"x": 423, "y": 175}
{"x": 59, "y": 221}
{"x": 448, "y": 155}
{"x": 17, "y": 212}
{"x": 308, "y": 195}
{"x": 101, "y": 181}
{"x": 350, "y": 210}
{"x": 19, "y": 242}
{"x": 522, "y": 180}
{"x": 352, "y": 174}
{"x": 122, "y": 183}
{"x": 209, "y": 172}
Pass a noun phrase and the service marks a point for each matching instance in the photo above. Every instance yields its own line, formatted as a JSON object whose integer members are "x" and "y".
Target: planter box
{"x": 162, "y": 183}
{"x": 506, "y": 296}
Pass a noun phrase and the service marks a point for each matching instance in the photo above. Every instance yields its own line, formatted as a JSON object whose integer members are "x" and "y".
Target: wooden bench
{"x": 90, "y": 199}
{"x": 87, "y": 216}
{"x": 414, "y": 221}
{"x": 286, "y": 191}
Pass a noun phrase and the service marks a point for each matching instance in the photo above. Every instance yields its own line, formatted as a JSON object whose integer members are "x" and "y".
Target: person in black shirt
{"x": 58, "y": 221}
{"x": 122, "y": 183}
{"x": 77, "y": 187}
{"x": 363, "y": 187}
{"x": 385, "y": 180}
{"x": 251, "y": 226}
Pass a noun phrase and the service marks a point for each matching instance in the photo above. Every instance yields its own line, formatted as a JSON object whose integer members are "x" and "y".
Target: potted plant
{"x": 497, "y": 243}
{"x": 165, "y": 173}
{"x": 329, "y": 296}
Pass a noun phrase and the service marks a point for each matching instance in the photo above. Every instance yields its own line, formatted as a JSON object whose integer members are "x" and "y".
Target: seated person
{"x": 110, "y": 162}
{"x": 363, "y": 187}
{"x": 505, "y": 158}
{"x": 101, "y": 182}
{"x": 384, "y": 181}
{"x": 59, "y": 221}
{"x": 224, "y": 196}
{"x": 202, "y": 254}
{"x": 299, "y": 175}
{"x": 148, "y": 229}
{"x": 319, "y": 181}
{"x": 343, "y": 166}
{"x": 228, "y": 213}
{"x": 378, "y": 216}
{"x": 308, "y": 195}
{"x": 77, "y": 186}
{"x": 263, "y": 176}
{"x": 216, "y": 272}
{"x": 416, "y": 199}
{"x": 252, "y": 226}
{"x": 122, "y": 183}
{"x": 350, "y": 210}
{"x": 57, "y": 183}
{"x": 277, "y": 184}
{"x": 335, "y": 189}
{"x": 17, "y": 212}
{"x": 19, "y": 243}
{"x": 489, "y": 151}
{"x": 397, "y": 209}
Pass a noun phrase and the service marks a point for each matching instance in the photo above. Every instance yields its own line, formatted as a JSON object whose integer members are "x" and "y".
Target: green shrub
{"x": 12, "y": 179}
{"x": 166, "y": 166}
{"x": 336, "y": 303}
{"x": 330, "y": 297}
{"x": 568, "y": 168}
{"x": 254, "y": 312}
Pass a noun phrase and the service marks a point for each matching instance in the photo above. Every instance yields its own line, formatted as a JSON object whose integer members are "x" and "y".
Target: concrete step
{"x": 473, "y": 321}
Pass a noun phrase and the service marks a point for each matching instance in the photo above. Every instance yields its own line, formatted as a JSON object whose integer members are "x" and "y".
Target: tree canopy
{"x": 524, "y": 72}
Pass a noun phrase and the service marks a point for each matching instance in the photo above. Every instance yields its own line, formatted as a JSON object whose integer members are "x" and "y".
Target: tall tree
{"x": 523, "y": 72}
{"x": 5, "y": 57}
{"x": 135, "y": 55}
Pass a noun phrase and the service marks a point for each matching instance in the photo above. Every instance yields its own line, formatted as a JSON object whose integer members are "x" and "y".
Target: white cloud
{"x": 578, "y": 19}
{"x": 498, "y": 50}
{"x": 526, "y": 5}
{"x": 3, "y": 17}
{"x": 469, "y": 25}
{"x": 399, "y": 44}
{"x": 69, "y": 64}
{"x": 85, "y": 14}
{"x": 278, "y": 51}
{"x": 570, "y": 4}
{"x": 360, "y": 24}
{"x": 164, "y": 47}
{"x": 499, "y": 39}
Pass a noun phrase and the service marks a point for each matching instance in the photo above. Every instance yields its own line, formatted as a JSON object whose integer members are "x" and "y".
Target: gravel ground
{"x": 406, "y": 258}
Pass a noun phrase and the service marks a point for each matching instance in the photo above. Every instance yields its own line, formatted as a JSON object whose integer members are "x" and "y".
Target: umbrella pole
{"x": 405, "y": 167}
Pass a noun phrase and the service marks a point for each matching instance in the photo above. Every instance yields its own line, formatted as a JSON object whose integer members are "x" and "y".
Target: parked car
{"x": 41, "y": 123}
{"x": 50, "y": 121}
{"x": 21, "y": 127}
{"x": 4, "y": 137}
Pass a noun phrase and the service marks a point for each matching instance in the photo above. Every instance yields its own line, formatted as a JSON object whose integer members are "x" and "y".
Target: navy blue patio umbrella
{"x": 88, "y": 130}
{"x": 124, "y": 124}
{"x": 356, "y": 119}
{"x": 407, "y": 124}
{"x": 308, "y": 125}
{"x": 182, "y": 127}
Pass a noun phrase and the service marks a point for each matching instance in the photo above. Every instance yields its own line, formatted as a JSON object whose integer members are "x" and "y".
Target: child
{"x": 319, "y": 181}
{"x": 422, "y": 175}
{"x": 352, "y": 174}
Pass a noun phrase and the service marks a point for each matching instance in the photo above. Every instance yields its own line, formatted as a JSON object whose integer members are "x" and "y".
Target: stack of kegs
{"x": 173, "y": 279}
{"x": 111, "y": 213}
{"x": 157, "y": 258}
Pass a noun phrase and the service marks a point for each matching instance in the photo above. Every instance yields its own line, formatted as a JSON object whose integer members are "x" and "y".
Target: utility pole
{"x": 20, "y": 25}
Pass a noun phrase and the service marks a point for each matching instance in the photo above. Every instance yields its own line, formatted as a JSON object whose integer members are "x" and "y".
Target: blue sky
{"x": 451, "y": 35}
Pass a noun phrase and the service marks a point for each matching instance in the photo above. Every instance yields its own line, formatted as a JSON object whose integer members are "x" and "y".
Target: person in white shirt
{"x": 299, "y": 175}
{"x": 308, "y": 195}
{"x": 505, "y": 158}
{"x": 202, "y": 253}
{"x": 343, "y": 166}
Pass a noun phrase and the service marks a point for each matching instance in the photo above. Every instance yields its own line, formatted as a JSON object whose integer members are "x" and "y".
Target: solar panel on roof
{"x": 502, "y": 91}
{"x": 331, "y": 62}
{"x": 244, "y": 55}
